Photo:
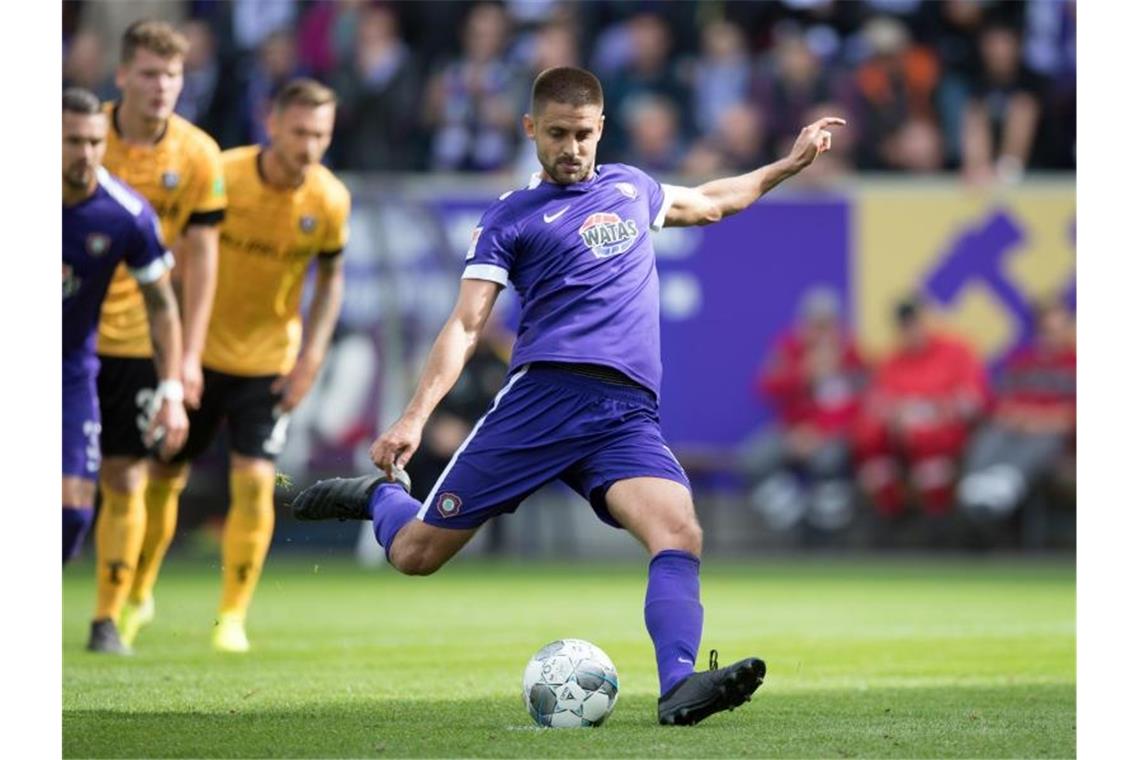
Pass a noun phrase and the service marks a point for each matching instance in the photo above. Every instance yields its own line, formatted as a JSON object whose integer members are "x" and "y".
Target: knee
{"x": 682, "y": 533}
{"x": 122, "y": 475}
{"x": 78, "y": 492}
{"x": 413, "y": 559}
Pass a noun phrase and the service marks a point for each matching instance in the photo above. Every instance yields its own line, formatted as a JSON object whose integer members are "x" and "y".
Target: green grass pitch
{"x": 882, "y": 658}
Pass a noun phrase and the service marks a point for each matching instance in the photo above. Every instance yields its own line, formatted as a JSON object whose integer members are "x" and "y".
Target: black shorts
{"x": 126, "y": 387}
{"x": 249, "y": 410}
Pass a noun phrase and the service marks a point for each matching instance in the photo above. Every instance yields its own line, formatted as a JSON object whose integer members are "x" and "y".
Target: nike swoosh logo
{"x": 548, "y": 218}
{"x": 684, "y": 661}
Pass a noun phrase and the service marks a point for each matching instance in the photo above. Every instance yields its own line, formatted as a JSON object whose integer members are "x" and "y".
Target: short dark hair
{"x": 303, "y": 92}
{"x": 565, "y": 84}
{"x": 158, "y": 37}
{"x": 80, "y": 101}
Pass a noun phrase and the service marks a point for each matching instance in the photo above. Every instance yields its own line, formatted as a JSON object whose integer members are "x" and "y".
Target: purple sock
{"x": 392, "y": 508}
{"x": 76, "y": 521}
{"x": 673, "y": 614}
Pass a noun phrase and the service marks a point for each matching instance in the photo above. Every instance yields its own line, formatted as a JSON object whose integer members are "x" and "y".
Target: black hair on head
{"x": 565, "y": 84}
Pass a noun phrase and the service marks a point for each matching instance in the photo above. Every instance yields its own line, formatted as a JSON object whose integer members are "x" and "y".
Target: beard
{"x": 566, "y": 175}
{"x": 78, "y": 178}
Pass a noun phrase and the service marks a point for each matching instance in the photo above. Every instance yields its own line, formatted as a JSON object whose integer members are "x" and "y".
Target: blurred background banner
{"x": 981, "y": 258}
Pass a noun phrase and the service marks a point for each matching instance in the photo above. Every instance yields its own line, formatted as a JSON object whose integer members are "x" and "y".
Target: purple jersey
{"x": 114, "y": 224}
{"x": 582, "y": 261}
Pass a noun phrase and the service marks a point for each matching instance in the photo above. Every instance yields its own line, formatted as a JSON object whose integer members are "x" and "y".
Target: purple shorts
{"x": 549, "y": 423}
{"x": 81, "y": 456}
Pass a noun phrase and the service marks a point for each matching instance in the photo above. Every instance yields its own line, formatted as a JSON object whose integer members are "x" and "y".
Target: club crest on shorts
{"x": 170, "y": 180}
{"x": 448, "y": 504}
{"x": 98, "y": 244}
{"x": 607, "y": 234}
{"x": 627, "y": 189}
{"x": 308, "y": 223}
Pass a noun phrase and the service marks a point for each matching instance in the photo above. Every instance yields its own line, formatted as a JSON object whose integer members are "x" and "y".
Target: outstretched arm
{"x": 450, "y": 352}
{"x": 719, "y": 198}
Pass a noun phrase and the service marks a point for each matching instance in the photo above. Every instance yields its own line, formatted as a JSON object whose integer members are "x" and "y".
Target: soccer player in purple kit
{"x": 105, "y": 222}
{"x": 580, "y": 402}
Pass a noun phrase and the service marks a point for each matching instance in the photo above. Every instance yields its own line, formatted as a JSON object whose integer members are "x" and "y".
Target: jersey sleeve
{"x": 658, "y": 195}
{"x": 340, "y": 205}
{"x": 146, "y": 257}
{"x": 208, "y": 194}
{"x": 492, "y": 251}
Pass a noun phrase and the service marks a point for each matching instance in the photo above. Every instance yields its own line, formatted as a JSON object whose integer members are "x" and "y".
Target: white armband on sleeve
{"x": 668, "y": 193}
{"x": 154, "y": 270}
{"x": 489, "y": 272}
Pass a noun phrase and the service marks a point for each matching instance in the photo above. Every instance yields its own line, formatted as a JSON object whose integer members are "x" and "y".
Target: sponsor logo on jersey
{"x": 219, "y": 187}
{"x": 474, "y": 241}
{"x": 628, "y": 190}
{"x": 308, "y": 224}
{"x": 448, "y": 504}
{"x": 607, "y": 234}
{"x": 170, "y": 180}
{"x": 70, "y": 282}
{"x": 98, "y": 244}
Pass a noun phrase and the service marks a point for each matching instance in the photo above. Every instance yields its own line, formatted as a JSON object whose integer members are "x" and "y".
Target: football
{"x": 570, "y": 683}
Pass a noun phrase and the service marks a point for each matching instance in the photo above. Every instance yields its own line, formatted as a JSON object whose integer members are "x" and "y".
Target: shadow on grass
{"x": 1000, "y": 721}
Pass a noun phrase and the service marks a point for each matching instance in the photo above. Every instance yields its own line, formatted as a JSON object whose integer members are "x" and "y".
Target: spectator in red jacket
{"x": 812, "y": 379}
{"x": 1034, "y": 423}
{"x": 916, "y": 418}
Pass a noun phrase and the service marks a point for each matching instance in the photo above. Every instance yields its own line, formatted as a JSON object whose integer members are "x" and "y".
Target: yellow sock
{"x": 161, "y": 518}
{"x": 245, "y": 541}
{"x": 118, "y": 536}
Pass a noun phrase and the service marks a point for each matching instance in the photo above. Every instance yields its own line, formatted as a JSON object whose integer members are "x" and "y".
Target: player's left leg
{"x": 257, "y": 431}
{"x": 245, "y": 543}
{"x": 164, "y": 484}
{"x": 659, "y": 512}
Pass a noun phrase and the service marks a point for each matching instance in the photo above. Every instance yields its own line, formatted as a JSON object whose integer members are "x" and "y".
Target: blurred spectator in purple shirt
{"x": 721, "y": 77}
{"x": 471, "y": 102}
{"x": 276, "y": 63}
{"x": 1051, "y": 52}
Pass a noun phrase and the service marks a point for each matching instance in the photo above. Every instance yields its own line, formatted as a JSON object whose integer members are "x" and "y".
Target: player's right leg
{"x": 81, "y": 459}
{"x": 118, "y": 537}
{"x": 165, "y": 482}
{"x": 125, "y": 386}
{"x": 526, "y": 439}
{"x": 164, "y": 485}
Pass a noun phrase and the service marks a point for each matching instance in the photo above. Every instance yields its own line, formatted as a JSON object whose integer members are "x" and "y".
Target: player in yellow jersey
{"x": 177, "y": 168}
{"x": 285, "y": 211}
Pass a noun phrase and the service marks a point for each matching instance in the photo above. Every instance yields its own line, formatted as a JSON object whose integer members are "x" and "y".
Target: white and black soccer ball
{"x": 570, "y": 683}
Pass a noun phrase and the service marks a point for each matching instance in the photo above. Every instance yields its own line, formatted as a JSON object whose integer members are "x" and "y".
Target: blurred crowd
{"x": 926, "y": 435}
{"x": 692, "y": 88}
